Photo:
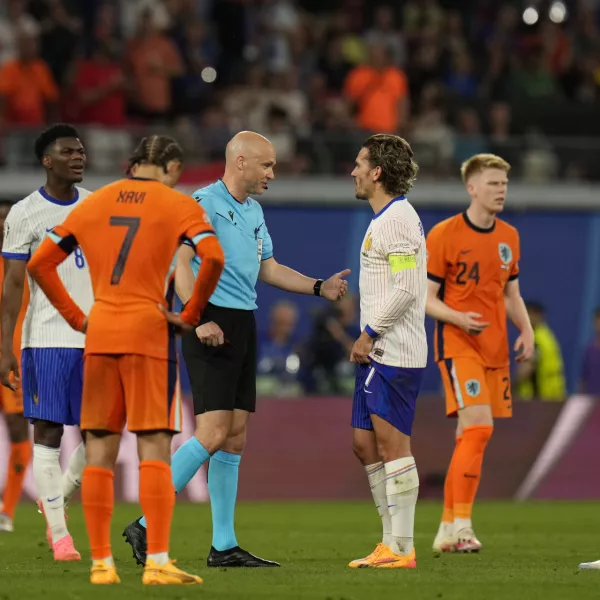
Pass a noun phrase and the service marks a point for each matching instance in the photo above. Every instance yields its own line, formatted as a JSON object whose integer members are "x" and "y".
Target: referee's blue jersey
{"x": 246, "y": 242}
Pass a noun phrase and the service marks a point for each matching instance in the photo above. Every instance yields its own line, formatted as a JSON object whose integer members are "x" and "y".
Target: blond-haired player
{"x": 473, "y": 270}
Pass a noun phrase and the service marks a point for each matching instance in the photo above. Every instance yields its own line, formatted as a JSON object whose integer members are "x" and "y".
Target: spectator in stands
{"x": 543, "y": 376}
{"x": 61, "y": 28}
{"x": 590, "y": 372}
{"x": 153, "y": 61}
{"x": 28, "y": 99}
{"x": 99, "y": 87}
{"x": 278, "y": 362}
{"x": 379, "y": 91}
{"x": 469, "y": 139}
{"x": 17, "y": 22}
{"x": 324, "y": 357}
{"x": 385, "y": 31}
{"x": 461, "y": 80}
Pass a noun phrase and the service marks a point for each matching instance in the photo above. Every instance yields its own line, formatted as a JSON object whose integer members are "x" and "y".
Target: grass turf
{"x": 530, "y": 551}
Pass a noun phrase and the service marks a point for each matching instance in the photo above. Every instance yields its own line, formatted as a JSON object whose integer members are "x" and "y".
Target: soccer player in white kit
{"x": 52, "y": 352}
{"x": 391, "y": 351}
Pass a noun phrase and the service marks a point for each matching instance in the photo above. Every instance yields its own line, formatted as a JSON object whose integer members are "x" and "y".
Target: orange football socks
{"x": 98, "y": 498}
{"x": 157, "y": 498}
{"x": 466, "y": 467}
{"x": 448, "y": 514}
{"x": 20, "y": 457}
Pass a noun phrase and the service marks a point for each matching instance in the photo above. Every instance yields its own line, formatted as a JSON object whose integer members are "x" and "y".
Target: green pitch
{"x": 531, "y": 551}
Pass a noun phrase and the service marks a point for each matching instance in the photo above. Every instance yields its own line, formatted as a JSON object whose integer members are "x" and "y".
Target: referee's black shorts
{"x": 223, "y": 377}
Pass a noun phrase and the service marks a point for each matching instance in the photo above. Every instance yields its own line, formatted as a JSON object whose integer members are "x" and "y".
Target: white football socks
{"x": 160, "y": 558}
{"x": 48, "y": 480}
{"x": 376, "y": 475}
{"x": 71, "y": 479}
{"x": 402, "y": 489}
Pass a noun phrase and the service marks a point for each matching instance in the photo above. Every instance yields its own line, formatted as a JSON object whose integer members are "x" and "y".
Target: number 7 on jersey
{"x": 132, "y": 224}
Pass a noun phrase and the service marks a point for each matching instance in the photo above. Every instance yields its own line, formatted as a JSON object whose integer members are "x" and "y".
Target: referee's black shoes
{"x": 135, "y": 536}
{"x": 236, "y": 557}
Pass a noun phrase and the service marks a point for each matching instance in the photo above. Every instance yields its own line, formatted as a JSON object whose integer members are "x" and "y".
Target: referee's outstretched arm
{"x": 287, "y": 279}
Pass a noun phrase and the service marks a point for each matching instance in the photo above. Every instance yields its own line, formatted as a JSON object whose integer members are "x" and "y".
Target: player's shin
{"x": 222, "y": 488}
{"x": 468, "y": 464}
{"x": 157, "y": 498}
{"x": 376, "y": 475}
{"x": 71, "y": 479}
{"x": 402, "y": 490}
{"x": 185, "y": 463}
{"x": 20, "y": 456}
{"x": 97, "y": 495}
{"x": 48, "y": 480}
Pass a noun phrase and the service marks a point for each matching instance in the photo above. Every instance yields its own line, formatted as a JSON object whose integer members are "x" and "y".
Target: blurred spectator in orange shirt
{"x": 154, "y": 61}
{"x": 379, "y": 91}
{"x": 28, "y": 92}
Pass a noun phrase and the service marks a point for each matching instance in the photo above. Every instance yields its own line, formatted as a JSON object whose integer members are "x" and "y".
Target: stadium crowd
{"x": 311, "y": 76}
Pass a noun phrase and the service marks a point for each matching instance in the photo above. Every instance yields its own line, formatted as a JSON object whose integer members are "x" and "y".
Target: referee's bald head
{"x": 249, "y": 161}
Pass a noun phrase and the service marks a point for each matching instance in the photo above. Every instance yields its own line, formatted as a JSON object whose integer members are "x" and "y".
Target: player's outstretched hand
{"x": 336, "y": 286}
{"x": 525, "y": 346}
{"x": 361, "y": 349}
{"x": 210, "y": 334}
{"x": 175, "y": 320}
{"x": 470, "y": 322}
{"x": 9, "y": 365}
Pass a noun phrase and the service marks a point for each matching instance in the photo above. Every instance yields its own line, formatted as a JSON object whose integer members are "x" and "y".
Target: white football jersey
{"x": 26, "y": 226}
{"x": 393, "y": 286}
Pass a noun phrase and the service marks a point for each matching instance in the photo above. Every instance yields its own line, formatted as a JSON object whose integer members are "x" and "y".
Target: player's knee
{"x": 365, "y": 450}
{"x": 213, "y": 439}
{"x": 102, "y": 449}
{"x": 235, "y": 444}
{"x": 472, "y": 416}
{"x": 390, "y": 450}
{"x": 18, "y": 430}
{"x": 47, "y": 434}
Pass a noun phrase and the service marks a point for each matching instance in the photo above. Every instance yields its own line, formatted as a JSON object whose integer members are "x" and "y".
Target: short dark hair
{"x": 536, "y": 307}
{"x": 156, "y": 150}
{"x": 50, "y": 135}
{"x": 395, "y": 157}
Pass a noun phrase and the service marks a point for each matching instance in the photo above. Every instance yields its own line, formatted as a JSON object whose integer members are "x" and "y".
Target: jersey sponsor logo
{"x": 401, "y": 248}
{"x": 505, "y": 252}
{"x": 473, "y": 388}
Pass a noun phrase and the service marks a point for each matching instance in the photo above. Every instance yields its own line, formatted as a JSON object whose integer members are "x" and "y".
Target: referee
{"x": 221, "y": 355}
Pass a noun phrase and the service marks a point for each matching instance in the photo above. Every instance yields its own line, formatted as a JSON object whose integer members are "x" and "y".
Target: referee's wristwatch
{"x": 317, "y": 288}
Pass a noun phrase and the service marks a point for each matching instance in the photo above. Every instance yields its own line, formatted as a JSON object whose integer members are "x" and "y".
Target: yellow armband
{"x": 401, "y": 262}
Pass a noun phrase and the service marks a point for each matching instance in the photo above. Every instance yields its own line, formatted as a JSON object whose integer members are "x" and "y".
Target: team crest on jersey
{"x": 505, "y": 253}
{"x": 367, "y": 245}
{"x": 473, "y": 388}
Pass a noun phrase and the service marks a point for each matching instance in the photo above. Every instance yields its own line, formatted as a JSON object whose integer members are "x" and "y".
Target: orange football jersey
{"x": 129, "y": 232}
{"x": 473, "y": 266}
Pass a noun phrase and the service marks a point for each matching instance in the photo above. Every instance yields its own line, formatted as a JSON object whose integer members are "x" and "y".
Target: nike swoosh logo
{"x": 53, "y": 499}
{"x": 368, "y": 392}
{"x": 465, "y": 251}
{"x": 49, "y": 230}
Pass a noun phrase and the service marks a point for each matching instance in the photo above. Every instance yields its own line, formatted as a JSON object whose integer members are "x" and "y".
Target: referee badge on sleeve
{"x": 260, "y": 249}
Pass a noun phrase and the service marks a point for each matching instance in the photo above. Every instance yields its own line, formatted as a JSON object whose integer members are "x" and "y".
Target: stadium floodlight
{"x": 208, "y": 74}
{"x": 530, "y": 15}
{"x": 558, "y": 12}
